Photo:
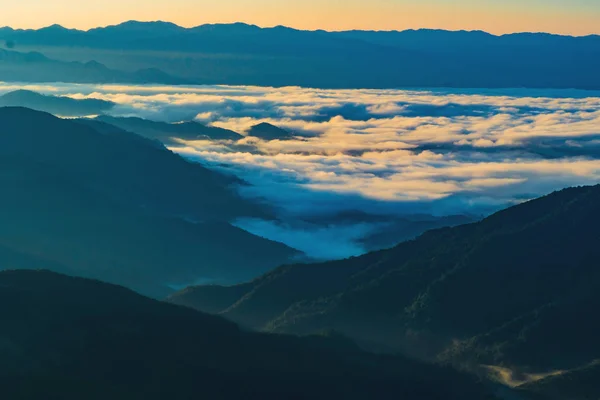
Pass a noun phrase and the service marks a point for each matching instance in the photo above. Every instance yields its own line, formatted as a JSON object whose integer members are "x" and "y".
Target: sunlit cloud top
{"x": 434, "y": 151}
{"x": 575, "y": 17}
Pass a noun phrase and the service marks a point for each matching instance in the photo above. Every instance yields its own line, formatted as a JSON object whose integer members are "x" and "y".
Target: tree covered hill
{"x": 72, "y": 338}
{"x": 518, "y": 290}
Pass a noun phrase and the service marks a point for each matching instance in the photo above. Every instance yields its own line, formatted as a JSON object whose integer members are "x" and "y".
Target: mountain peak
{"x": 153, "y": 24}
{"x": 267, "y": 131}
{"x": 145, "y": 27}
{"x": 21, "y": 93}
{"x": 233, "y": 27}
{"x": 55, "y": 27}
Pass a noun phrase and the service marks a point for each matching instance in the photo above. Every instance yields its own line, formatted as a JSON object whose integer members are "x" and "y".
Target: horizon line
{"x": 297, "y": 29}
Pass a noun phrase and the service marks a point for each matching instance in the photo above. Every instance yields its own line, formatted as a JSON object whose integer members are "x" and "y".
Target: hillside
{"x": 517, "y": 290}
{"x": 100, "y": 202}
{"x": 62, "y": 337}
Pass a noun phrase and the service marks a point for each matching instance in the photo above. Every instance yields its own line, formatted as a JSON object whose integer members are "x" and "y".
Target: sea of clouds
{"x": 380, "y": 151}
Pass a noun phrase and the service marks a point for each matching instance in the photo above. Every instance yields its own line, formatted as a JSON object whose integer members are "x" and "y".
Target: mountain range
{"x": 33, "y": 66}
{"x": 280, "y": 56}
{"x": 510, "y": 299}
{"x": 130, "y": 272}
{"x": 513, "y": 297}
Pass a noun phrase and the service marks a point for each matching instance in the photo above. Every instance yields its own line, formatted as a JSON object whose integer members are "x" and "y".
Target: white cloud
{"x": 438, "y": 151}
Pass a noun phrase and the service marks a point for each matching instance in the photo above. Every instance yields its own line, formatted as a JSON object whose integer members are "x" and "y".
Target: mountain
{"x": 281, "y": 56}
{"x": 35, "y": 67}
{"x": 58, "y": 105}
{"x": 167, "y": 133}
{"x": 210, "y": 38}
{"x": 72, "y": 338}
{"x": 517, "y": 291}
{"x": 266, "y": 131}
{"x": 96, "y": 201}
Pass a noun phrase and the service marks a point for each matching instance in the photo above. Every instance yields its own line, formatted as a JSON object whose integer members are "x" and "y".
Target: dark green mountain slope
{"x": 517, "y": 290}
{"x": 63, "y": 106}
{"x": 108, "y": 204}
{"x": 69, "y": 338}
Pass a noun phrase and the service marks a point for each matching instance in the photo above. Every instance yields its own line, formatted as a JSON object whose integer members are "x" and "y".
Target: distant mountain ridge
{"x": 169, "y": 133}
{"x": 57, "y": 105}
{"x": 161, "y": 27}
{"x": 33, "y": 66}
{"x": 347, "y": 59}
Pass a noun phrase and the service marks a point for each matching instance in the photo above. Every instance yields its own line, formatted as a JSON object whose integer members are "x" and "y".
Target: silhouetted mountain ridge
{"x": 167, "y": 133}
{"x": 36, "y": 67}
{"x": 350, "y": 59}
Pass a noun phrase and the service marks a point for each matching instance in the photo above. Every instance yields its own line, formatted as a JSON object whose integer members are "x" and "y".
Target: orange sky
{"x": 576, "y": 17}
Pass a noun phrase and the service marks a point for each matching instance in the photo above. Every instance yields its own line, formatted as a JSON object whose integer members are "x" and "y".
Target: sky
{"x": 573, "y": 17}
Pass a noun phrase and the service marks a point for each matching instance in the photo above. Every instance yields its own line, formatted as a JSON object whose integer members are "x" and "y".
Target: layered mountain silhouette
{"x": 57, "y": 105}
{"x": 169, "y": 133}
{"x": 96, "y": 201}
{"x": 514, "y": 293}
{"x": 72, "y": 338}
{"x": 17, "y": 66}
{"x": 353, "y": 59}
